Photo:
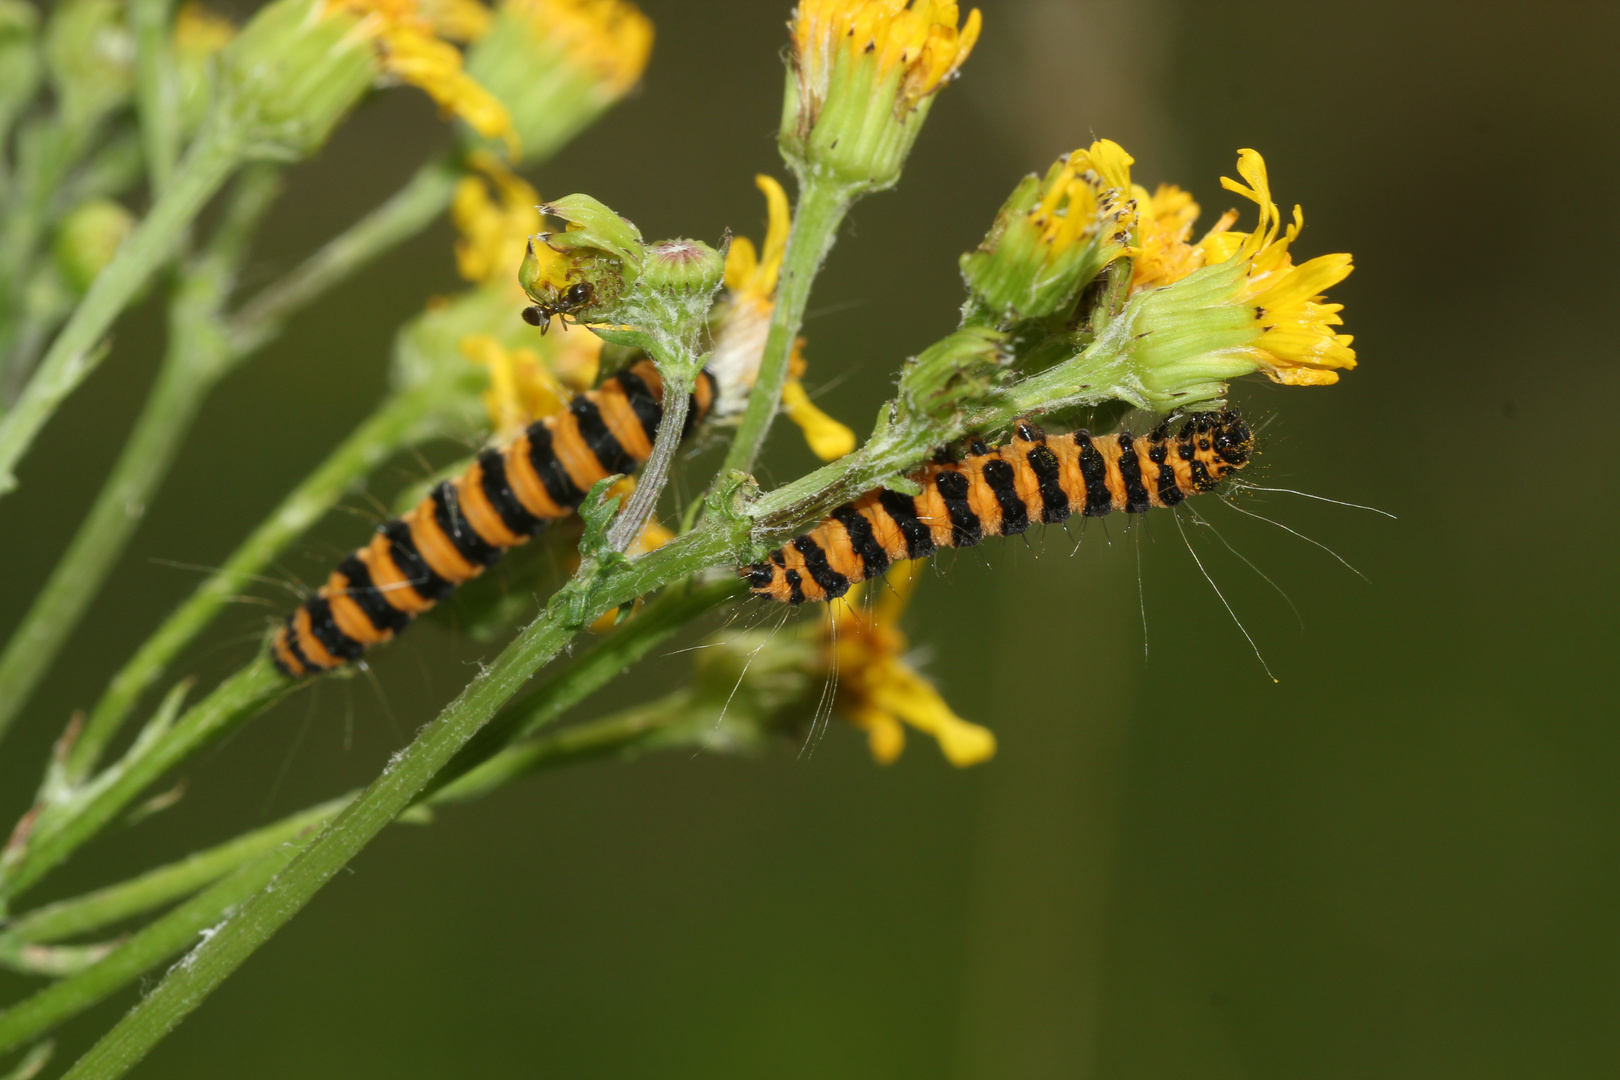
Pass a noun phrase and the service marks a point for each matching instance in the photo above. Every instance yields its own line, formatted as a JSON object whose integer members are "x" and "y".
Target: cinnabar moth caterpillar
{"x": 1001, "y": 491}
{"x": 466, "y": 524}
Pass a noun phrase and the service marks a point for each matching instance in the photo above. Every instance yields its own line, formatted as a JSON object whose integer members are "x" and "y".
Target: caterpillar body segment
{"x": 464, "y": 525}
{"x": 1001, "y": 491}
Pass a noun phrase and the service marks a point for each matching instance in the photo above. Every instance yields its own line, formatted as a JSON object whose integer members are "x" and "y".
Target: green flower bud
{"x": 953, "y": 372}
{"x": 19, "y": 58}
{"x": 862, "y": 78}
{"x": 1050, "y": 239}
{"x": 294, "y": 71}
{"x": 91, "y": 58}
{"x": 683, "y": 268}
{"x": 87, "y": 239}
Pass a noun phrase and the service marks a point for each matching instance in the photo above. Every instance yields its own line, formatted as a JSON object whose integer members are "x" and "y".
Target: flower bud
{"x": 683, "y": 269}
{"x": 558, "y": 64}
{"x": 87, "y": 239}
{"x": 91, "y": 59}
{"x": 1053, "y": 236}
{"x": 862, "y": 78}
{"x": 953, "y": 371}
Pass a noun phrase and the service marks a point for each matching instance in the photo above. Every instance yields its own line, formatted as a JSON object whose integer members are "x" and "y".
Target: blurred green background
{"x": 1400, "y": 860}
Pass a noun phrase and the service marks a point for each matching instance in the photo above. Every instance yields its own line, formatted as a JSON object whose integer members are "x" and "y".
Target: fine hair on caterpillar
{"x": 506, "y": 497}
{"x": 1001, "y": 491}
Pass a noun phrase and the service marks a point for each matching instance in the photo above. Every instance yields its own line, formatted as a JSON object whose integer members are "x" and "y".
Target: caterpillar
{"x": 464, "y": 525}
{"x": 1001, "y": 491}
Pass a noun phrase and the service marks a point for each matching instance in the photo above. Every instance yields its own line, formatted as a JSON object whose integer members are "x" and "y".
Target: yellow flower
{"x": 880, "y": 693}
{"x": 199, "y": 32}
{"x": 918, "y": 41}
{"x": 457, "y": 20}
{"x": 1299, "y": 345}
{"x": 864, "y": 74}
{"x": 411, "y": 51}
{"x": 610, "y": 37}
{"x": 744, "y": 324}
{"x": 495, "y": 210}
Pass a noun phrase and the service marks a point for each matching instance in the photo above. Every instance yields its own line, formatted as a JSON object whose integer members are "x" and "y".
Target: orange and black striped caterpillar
{"x": 466, "y": 524}
{"x": 1000, "y": 491}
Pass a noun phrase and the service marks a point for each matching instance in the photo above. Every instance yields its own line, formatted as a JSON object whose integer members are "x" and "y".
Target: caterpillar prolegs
{"x": 1001, "y": 491}
{"x": 466, "y": 524}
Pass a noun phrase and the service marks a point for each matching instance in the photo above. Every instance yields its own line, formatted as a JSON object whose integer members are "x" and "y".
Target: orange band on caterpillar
{"x": 1000, "y": 492}
{"x": 464, "y": 525}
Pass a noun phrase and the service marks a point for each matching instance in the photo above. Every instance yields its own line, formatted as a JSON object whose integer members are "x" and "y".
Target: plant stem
{"x": 63, "y": 827}
{"x": 156, "y": 92}
{"x": 401, "y": 419}
{"x": 654, "y": 624}
{"x": 627, "y": 527}
{"x": 408, "y": 211}
{"x": 822, "y": 206}
{"x": 152, "y": 945}
{"x": 194, "y": 363}
{"x": 72, "y": 356}
{"x": 105, "y": 907}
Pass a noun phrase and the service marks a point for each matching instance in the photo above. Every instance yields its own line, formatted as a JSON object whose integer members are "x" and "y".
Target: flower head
{"x": 880, "y": 693}
{"x": 495, "y": 211}
{"x": 1054, "y": 235}
{"x": 863, "y": 77}
{"x": 298, "y": 67}
{"x": 1234, "y": 302}
{"x": 743, "y": 323}
{"x": 557, "y": 64}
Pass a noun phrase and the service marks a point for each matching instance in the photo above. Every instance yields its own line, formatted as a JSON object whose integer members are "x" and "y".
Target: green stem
{"x": 72, "y": 355}
{"x": 64, "y": 826}
{"x": 194, "y": 363}
{"x": 627, "y": 527}
{"x": 157, "y": 95}
{"x": 654, "y": 624}
{"x": 151, "y": 946}
{"x": 155, "y": 888}
{"x": 822, "y": 206}
{"x": 423, "y": 198}
{"x": 403, "y": 418}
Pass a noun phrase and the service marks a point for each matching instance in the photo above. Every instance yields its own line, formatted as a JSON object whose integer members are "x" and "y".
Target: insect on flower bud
{"x": 862, "y": 77}
{"x": 581, "y": 272}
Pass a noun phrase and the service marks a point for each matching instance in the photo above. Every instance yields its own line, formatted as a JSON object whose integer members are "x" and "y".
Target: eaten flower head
{"x": 879, "y": 692}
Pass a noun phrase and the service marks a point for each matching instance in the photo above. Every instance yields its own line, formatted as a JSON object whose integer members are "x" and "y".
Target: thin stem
{"x": 155, "y": 888}
{"x": 72, "y": 356}
{"x": 423, "y": 198}
{"x": 403, "y": 418}
{"x": 151, "y": 946}
{"x": 822, "y": 206}
{"x": 156, "y": 90}
{"x": 627, "y": 527}
{"x": 194, "y": 363}
{"x": 62, "y": 828}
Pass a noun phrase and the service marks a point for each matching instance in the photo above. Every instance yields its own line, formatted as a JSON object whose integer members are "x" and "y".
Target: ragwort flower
{"x": 862, "y": 80}
{"x": 879, "y": 692}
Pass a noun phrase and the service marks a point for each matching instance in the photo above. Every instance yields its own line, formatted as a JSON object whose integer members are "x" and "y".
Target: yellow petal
{"x": 828, "y": 439}
{"x": 904, "y": 693}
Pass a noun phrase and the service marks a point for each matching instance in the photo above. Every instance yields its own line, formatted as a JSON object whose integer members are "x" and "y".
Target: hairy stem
{"x": 627, "y": 527}
{"x": 73, "y": 355}
{"x": 822, "y": 206}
